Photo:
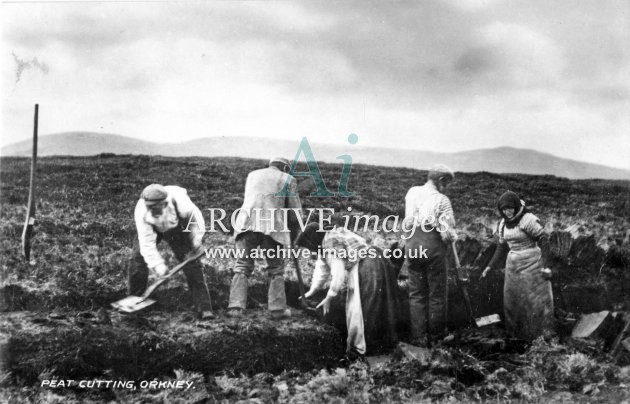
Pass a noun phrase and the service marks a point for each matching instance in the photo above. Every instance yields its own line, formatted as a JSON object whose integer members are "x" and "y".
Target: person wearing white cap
{"x": 167, "y": 213}
{"x": 430, "y": 211}
{"x": 261, "y": 223}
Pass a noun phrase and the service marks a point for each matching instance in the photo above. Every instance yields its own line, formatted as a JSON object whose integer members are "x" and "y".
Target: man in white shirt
{"x": 166, "y": 213}
{"x": 262, "y": 223}
{"x": 429, "y": 212}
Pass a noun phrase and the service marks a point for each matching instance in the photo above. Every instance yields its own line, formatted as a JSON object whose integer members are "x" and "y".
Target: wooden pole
{"x": 27, "y": 233}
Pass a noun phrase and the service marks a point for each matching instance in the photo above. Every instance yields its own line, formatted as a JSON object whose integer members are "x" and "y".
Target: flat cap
{"x": 440, "y": 170}
{"x": 280, "y": 160}
{"x": 154, "y": 193}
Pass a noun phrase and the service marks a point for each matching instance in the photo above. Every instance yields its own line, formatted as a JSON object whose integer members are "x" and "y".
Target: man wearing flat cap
{"x": 166, "y": 213}
{"x": 266, "y": 221}
{"x": 431, "y": 214}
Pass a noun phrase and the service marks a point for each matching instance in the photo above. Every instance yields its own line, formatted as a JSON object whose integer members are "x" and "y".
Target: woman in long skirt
{"x": 370, "y": 280}
{"x": 527, "y": 296}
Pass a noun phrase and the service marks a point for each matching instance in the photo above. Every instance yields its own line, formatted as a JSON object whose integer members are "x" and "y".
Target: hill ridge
{"x": 501, "y": 159}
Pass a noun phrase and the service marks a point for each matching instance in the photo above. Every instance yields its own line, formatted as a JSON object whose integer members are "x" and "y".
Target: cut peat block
{"x": 135, "y": 347}
{"x": 594, "y": 325}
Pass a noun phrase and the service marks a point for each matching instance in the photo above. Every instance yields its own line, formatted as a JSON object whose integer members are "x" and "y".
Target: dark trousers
{"x": 427, "y": 286}
{"x": 181, "y": 245}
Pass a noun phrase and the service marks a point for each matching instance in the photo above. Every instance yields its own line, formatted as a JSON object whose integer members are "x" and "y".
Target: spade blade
{"x": 132, "y": 304}
{"x": 488, "y": 320}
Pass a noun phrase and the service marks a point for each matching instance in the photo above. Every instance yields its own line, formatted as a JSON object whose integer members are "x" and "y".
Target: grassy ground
{"x": 83, "y": 239}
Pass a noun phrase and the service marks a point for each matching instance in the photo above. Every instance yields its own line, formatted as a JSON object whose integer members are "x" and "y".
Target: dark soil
{"x": 83, "y": 345}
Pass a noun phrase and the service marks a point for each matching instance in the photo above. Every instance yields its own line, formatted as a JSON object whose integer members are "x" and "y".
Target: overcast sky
{"x": 445, "y": 75}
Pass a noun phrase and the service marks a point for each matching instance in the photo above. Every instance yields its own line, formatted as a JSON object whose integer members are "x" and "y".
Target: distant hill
{"x": 498, "y": 160}
{"x": 81, "y": 144}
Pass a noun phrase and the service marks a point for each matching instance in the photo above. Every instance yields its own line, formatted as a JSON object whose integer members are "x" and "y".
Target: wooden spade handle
{"x": 457, "y": 263}
{"x": 29, "y": 222}
{"x": 298, "y": 272}
{"x": 462, "y": 287}
{"x": 172, "y": 272}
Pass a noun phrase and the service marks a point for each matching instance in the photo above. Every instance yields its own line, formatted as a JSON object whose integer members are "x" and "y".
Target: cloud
{"x": 473, "y": 5}
{"x": 509, "y": 55}
{"x": 439, "y": 75}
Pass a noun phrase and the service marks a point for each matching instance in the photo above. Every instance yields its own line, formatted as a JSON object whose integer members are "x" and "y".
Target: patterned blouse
{"x": 524, "y": 235}
{"x": 338, "y": 243}
{"x": 345, "y": 244}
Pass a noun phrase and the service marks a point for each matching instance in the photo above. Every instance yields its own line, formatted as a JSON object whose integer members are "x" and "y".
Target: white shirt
{"x": 324, "y": 268}
{"x": 147, "y": 225}
{"x": 262, "y": 210}
{"x": 426, "y": 205}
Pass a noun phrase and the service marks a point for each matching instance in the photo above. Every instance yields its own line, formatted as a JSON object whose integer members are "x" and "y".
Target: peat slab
{"x": 80, "y": 346}
{"x": 173, "y": 296}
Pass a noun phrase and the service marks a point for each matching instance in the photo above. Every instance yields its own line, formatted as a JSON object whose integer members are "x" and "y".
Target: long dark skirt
{"x": 379, "y": 302}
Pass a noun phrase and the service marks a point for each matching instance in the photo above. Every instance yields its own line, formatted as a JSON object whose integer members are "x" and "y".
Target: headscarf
{"x": 510, "y": 200}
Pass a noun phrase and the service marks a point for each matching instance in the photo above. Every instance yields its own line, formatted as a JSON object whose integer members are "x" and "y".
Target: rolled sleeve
{"x": 446, "y": 220}
{"x": 320, "y": 275}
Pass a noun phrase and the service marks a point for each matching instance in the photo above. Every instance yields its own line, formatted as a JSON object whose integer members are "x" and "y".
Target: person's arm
{"x": 338, "y": 271}
{"x": 320, "y": 275}
{"x": 532, "y": 227}
{"x": 446, "y": 220}
{"x": 502, "y": 248}
{"x": 193, "y": 222}
{"x": 294, "y": 203}
{"x": 147, "y": 238}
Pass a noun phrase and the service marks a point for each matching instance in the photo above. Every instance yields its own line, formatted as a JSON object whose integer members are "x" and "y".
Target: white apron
{"x": 354, "y": 313}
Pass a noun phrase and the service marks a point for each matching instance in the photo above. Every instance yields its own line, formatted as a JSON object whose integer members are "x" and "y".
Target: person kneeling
{"x": 371, "y": 300}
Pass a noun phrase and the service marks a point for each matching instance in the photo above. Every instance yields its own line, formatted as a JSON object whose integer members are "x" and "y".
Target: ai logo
{"x": 315, "y": 173}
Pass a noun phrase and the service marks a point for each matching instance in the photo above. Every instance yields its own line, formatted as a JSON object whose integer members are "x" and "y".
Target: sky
{"x": 448, "y": 75}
